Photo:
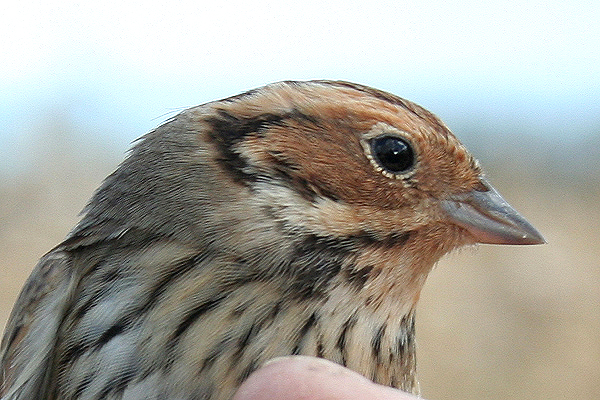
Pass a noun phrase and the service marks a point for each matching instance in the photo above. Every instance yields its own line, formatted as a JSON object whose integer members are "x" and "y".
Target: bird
{"x": 298, "y": 218}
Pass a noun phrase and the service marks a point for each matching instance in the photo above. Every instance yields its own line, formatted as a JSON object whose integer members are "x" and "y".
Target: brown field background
{"x": 494, "y": 322}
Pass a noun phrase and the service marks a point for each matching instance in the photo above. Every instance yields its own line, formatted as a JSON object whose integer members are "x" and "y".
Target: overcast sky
{"x": 120, "y": 67}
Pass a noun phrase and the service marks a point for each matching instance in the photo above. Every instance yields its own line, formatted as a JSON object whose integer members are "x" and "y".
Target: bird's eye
{"x": 392, "y": 153}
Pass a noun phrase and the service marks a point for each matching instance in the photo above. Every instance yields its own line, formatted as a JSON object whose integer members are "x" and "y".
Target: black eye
{"x": 392, "y": 153}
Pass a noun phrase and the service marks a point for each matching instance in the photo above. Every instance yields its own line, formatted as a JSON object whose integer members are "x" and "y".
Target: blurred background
{"x": 518, "y": 82}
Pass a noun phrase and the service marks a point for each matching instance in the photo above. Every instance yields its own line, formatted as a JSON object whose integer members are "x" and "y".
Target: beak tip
{"x": 534, "y": 238}
{"x": 525, "y": 240}
{"x": 490, "y": 219}
{"x": 525, "y": 234}
{"x": 521, "y": 232}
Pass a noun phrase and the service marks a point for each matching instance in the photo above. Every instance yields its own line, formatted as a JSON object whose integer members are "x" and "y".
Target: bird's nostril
{"x": 482, "y": 186}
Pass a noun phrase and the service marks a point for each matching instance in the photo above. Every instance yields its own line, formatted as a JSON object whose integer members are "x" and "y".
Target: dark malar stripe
{"x": 315, "y": 262}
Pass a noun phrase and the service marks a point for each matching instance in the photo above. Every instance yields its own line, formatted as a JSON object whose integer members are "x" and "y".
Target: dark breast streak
{"x": 218, "y": 331}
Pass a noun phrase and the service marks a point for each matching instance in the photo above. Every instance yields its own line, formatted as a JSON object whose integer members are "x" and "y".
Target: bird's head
{"x": 342, "y": 160}
{"x": 343, "y": 164}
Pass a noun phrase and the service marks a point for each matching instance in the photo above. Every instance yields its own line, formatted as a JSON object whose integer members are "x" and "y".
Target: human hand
{"x": 310, "y": 378}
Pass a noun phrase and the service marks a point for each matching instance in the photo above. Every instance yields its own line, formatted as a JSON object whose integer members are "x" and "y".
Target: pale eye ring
{"x": 393, "y": 154}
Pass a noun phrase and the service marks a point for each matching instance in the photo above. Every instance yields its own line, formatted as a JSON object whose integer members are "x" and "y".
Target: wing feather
{"x": 29, "y": 341}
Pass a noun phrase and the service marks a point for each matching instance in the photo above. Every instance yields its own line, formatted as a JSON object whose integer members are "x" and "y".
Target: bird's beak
{"x": 489, "y": 218}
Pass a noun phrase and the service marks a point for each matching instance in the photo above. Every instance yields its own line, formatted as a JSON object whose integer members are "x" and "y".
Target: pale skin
{"x": 309, "y": 378}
